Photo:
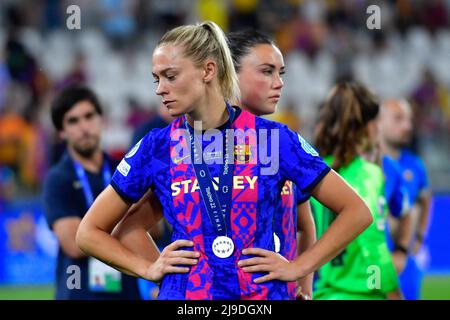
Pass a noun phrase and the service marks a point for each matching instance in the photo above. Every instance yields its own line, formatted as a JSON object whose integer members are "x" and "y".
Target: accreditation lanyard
{"x": 217, "y": 204}
{"x": 81, "y": 174}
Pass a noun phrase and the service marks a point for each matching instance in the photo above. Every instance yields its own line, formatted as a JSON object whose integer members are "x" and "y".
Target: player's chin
{"x": 175, "y": 112}
{"x": 270, "y": 106}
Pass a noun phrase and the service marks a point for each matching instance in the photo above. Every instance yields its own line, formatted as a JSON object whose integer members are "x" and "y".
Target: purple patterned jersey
{"x": 267, "y": 155}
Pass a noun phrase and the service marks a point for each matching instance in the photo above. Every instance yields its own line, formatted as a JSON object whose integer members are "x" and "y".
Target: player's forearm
{"x": 350, "y": 222}
{"x": 132, "y": 230}
{"x": 101, "y": 245}
{"x": 306, "y": 284}
{"x": 94, "y": 234}
{"x": 405, "y": 230}
{"x": 424, "y": 214}
{"x": 138, "y": 241}
{"x": 307, "y": 238}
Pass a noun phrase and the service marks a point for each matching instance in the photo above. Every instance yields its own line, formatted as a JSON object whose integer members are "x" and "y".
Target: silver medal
{"x": 223, "y": 247}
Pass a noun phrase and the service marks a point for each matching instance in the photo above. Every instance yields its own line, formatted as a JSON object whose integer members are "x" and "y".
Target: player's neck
{"x": 93, "y": 163}
{"x": 392, "y": 151}
{"x": 212, "y": 112}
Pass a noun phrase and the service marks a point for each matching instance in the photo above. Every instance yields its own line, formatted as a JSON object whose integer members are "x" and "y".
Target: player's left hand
{"x": 276, "y": 265}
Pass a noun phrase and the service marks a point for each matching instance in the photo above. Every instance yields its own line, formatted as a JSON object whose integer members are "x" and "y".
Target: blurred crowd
{"x": 322, "y": 41}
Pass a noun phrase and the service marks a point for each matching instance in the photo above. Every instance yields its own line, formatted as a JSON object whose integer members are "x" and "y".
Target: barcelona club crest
{"x": 242, "y": 153}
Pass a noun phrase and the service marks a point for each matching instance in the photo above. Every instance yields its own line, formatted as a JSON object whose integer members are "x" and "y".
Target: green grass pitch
{"x": 434, "y": 288}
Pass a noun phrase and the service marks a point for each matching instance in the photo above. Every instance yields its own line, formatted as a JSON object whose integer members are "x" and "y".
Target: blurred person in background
{"x": 161, "y": 119}
{"x": 396, "y": 127}
{"x": 346, "y": 136}
{"x": 69, "y": 190}
{"x": 399, "y": 206}
{"x": 7, "y": 186}
{"x": 161, "y": 232}
{"x": 14, "y": 130}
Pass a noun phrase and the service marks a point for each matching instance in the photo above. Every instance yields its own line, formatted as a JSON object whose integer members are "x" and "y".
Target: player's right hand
{"x": 170, "y": 260}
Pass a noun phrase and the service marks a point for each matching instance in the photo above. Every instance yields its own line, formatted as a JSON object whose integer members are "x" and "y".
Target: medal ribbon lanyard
{"x": 217, "y": 205}
{"x": 111, "y": 278}
{"x": 81, "y": 174}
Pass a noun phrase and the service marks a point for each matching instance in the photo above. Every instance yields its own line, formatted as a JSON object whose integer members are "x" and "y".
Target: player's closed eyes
{"x": 269, "y": 72}
{"x": 170, "y": 78}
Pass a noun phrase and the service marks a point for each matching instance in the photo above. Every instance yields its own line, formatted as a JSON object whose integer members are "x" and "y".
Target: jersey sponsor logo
{"x": 307, "y": 147}
{"x": 408, "y": 175}
{"x": 133, "y": 151}
{"x": 190, "y": 186}
{"x": 123, "y": 168}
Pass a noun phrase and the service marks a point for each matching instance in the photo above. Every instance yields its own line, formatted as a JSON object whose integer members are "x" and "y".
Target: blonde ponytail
{"x": 206, "y": 40}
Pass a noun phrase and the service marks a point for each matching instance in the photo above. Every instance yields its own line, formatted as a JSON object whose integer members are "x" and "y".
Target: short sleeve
{"x": 398, "y": 202}
{"x": 299, "y": 162}
{"x": 422, "y": 176}
{"x": 302, "y": 196}
{"x": 134, "y": 176}
{"x": 58, "y": 202}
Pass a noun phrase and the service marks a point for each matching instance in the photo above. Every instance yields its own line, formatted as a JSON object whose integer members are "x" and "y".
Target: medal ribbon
{"x": 81, "y": 174}
{"x": 217, "y": 205}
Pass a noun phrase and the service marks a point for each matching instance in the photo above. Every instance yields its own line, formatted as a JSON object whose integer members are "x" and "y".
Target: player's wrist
{"x": 302, "y": 267}
{"x": 144, "y": 269}
{"x": 401, "y": 249}
{"x": 419, "y": 236}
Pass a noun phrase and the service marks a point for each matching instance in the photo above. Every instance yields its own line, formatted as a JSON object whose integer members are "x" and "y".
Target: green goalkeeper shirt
{"x": 365, "y": 266}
